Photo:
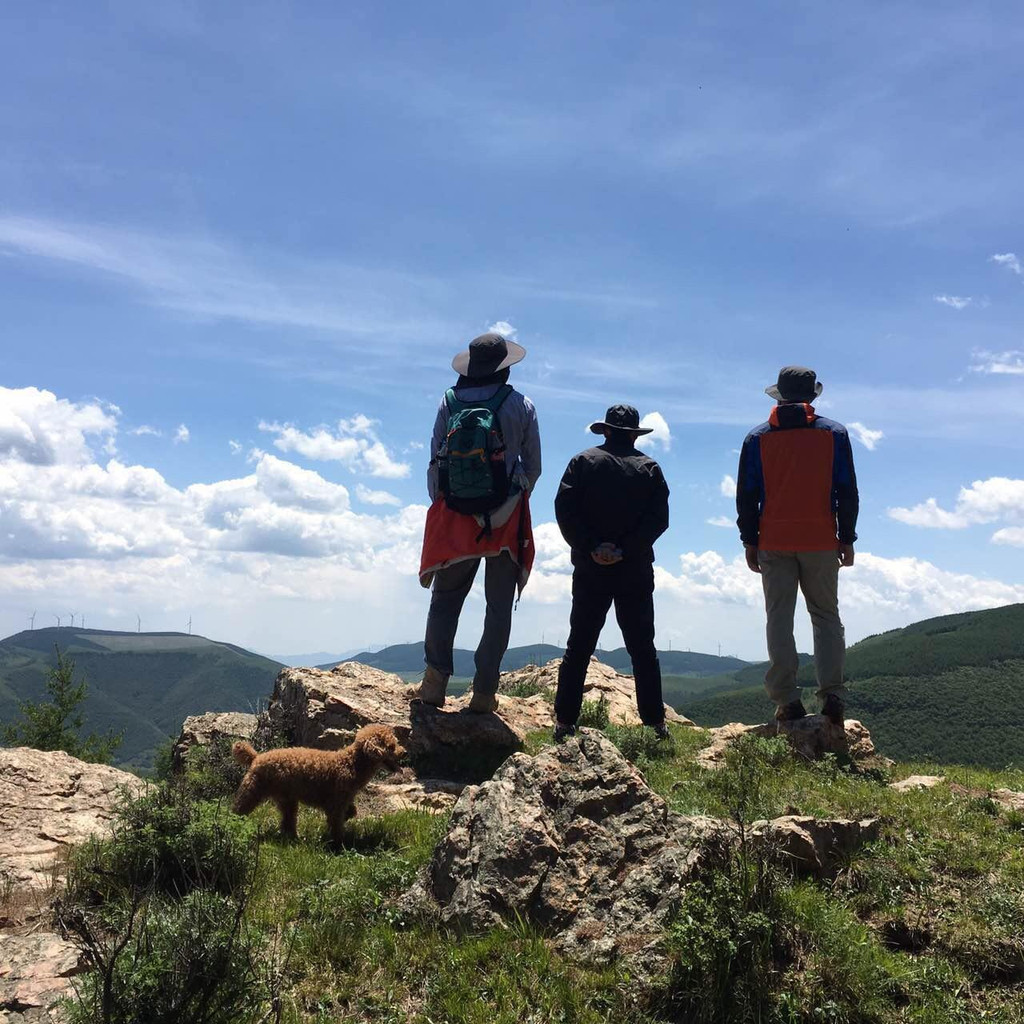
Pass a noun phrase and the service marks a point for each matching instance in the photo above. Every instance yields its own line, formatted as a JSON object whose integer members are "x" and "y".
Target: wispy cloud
{"x": 504, "y": 328}
{"x": 999, "y": 363}
{"x": 182, "y": 434}
{"x": 998, "y": 499}
{"x": 371, "y": 497}
{"x": 867, "y": 437}
{"x": 1008, "y": 260}
{"x": 146, "y": 431}
{"x": 723, "y": 521}
{"x": 728, "y": 486}
{"x": 957, "y": 302}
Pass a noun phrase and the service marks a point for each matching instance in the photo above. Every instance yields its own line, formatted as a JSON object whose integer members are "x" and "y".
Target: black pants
{"x": 594, "y": 589}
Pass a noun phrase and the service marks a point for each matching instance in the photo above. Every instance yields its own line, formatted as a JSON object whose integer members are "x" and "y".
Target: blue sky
{"x": 272, "y": 225}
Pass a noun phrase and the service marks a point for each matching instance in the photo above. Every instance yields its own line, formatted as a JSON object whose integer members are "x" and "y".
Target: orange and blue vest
{"x": 796, "y": 489}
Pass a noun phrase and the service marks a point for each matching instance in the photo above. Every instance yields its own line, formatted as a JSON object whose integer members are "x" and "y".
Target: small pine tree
{"x": 54, "y": 724}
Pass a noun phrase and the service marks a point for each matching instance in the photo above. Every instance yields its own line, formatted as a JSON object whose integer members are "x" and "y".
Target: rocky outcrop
{"x": 202, "y": 730}
{"x": 574, "y": 841}
{"x": 436, "y": 796}
{"x": 50, "y": 801}
{"x": 815, "y": 846}
{"x": 602, "y": 681}
{"x": 811, "y": 737}
{"x": 312, "y": 707}
{"x": 1009, "y": 800}
{"x": 915, "y": 783}
{"x": 35, "y": 972}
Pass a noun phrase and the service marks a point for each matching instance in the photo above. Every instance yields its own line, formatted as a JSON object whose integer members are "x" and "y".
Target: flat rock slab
{"x": 601, "y": 681}
{"x": 574, "y": 841}
{"x": 1009, "y": 800}
{"x": 914, "y": 783}
{"x": 815, "y": 846}
{"x": 35, "y": 971}
{"x": 436, "y": 796}
{"x": 811, "y": 737}
{"x": 50, "y": 801}
{"x": 202, "y": 730}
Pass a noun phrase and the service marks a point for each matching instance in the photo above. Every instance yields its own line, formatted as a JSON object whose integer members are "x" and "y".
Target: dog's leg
{"x": 289, "y": 816}
{"x": 336, "y": 818}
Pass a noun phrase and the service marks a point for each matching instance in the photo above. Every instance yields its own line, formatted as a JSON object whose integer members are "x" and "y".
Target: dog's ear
{"x": 376, "y": 747}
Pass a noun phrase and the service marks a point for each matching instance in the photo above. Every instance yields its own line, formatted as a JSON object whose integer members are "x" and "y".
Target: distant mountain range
{"x": 144, "y": 683}
{"x": 949, "y": 689}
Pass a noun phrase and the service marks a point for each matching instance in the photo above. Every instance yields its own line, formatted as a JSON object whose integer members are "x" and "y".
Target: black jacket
{"x": 612, "y": 493}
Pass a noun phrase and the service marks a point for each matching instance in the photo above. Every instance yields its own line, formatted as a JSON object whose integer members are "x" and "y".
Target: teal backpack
{"x": 472, "y": 473}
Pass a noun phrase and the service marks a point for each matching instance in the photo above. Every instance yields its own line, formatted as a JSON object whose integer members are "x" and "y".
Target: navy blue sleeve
{"x": 845, "y": 497}
{"x": 750, "y": 490}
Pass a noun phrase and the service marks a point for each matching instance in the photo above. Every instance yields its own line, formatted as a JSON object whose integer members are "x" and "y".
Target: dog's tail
{"x": 244, "y": 753}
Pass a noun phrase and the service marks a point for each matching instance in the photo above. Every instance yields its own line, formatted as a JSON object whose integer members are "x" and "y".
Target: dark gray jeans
{"x": 451, "y": 587}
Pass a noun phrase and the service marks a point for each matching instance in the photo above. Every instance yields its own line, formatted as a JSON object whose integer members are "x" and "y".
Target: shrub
{"x": 191, "y": 960}
{"x": 210, "y": 771}
{"x": 166, "y": 843}
{"x": 639, "y": 744}
{"x": 594, "y": 714}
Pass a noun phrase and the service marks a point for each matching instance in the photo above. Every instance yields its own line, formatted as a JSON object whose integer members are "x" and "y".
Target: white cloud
{"x": 182, "y": 434}
{"x": 235, "y": 447}
{"x": 660, "y": 436}
{"x": 1011, "y": 535}
{"x": 354, "y": 444}
{"x": 867, "y": 437}
{"x": 146, "y": 431}
{"x": 723, "y": 521}
{"x": 728, "y": 486}
{"x": 504, "y": 328}
{"x": 1000, "y": 363}
{"x": 998, "y": 499}
{"x": 957, "y": 302}
{"x": 369, "y": 497}
{"x": 1008, "y": 260}
{"x": 38, "y": 428}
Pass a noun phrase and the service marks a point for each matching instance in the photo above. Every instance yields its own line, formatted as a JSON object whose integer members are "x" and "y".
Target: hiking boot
{"x": 661, "y": 731}
{"x": 483, "y": 703}
{"x": 431, "y": 689}
{"x": 562, "y": 731}
{"x": 790, "y": 712}
{"x": 834, "y": 710}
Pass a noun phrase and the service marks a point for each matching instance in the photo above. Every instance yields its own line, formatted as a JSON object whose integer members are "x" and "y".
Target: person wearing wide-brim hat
{"x": 797, "y": 505}
{"x": 612, "y": 505}
{"x": 484, "y": 461}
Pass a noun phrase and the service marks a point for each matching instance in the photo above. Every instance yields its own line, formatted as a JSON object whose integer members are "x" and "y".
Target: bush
{"x": 594, "y": 714}
{"x": 639, "y": 744}
{"x": 173, "y": 962}
{"x": 166, "y": 843}
{"x": 211, "y": 772}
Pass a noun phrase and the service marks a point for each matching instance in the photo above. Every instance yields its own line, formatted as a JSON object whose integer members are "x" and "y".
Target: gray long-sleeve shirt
{"x": 519, "y": 427}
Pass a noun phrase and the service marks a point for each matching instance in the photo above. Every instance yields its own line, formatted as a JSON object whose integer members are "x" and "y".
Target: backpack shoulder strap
{"x": 451, "y": 401}
{"x": 497, "y": 400}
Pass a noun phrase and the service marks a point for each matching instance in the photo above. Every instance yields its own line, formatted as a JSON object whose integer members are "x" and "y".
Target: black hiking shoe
{"x": 791, "y": 712}
{"x": 661, "y": 731}
{"x": 563, "y": 731}
{"x": 834, "y": 710}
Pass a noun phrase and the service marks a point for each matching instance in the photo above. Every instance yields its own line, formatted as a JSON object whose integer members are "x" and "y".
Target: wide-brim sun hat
{"x": 795, "y": 384}
{"x": 490, "y": 353}
{"x": 621, "y": 417}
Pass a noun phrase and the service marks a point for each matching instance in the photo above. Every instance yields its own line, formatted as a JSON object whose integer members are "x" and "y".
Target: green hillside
{"x": 949, "y": 689}
{"x": 143, "y": 683}
{"x": 407, "y": 659}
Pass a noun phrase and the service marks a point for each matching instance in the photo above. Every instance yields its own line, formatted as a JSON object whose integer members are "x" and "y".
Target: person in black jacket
{"x": 612, "y": 505}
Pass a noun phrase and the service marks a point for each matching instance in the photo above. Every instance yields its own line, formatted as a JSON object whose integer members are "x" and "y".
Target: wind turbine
{"x": 32, "y": 621}
{"x": 138, "y": 623}
{"x": 72, "y": 618}
{"x": 57, "y": 617}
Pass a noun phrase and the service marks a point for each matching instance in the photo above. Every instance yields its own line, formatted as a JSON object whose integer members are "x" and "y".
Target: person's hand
{"x": 846, "y": 555}
{"x": 753, "y": 562}
{"x": 606, "y": 554}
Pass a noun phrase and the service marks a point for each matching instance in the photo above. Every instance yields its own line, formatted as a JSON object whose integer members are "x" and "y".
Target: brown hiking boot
{"x": 790, "y": 712}
{"x": 483, "y": 703}
{"x": 431, "y": 690}
{"x": 834, "y": 710}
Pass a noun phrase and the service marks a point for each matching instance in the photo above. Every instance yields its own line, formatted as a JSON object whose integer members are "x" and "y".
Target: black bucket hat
{"x": 488, "y": 354}
{"x": 795, "y": 384}
{"x": 621, "y": 417}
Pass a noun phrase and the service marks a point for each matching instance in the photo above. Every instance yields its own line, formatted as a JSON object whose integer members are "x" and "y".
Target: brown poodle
{"x": 328, "y": 779}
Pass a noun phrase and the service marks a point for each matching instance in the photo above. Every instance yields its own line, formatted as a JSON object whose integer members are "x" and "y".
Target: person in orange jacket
{"x": 797, "y": 505}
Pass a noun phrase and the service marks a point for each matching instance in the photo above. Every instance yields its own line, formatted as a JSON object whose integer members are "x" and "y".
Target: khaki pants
{"x": 816, "y": 573}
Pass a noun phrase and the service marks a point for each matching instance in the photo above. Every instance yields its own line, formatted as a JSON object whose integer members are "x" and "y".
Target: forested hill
{"x": 143, "y": 683}
{"x": 408, "y": 658}
{"x": 950, "y": 688}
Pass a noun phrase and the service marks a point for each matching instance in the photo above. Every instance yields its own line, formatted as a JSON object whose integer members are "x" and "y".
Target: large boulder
{"x": 317, "y": 708}
{"x": 601, "y": 681}
{"x": 574, "y": 841}
{"x": 815, "y": 846}
{"x": 811, "y": 738}
{"x": 49, "y": 802}
{"x": 211, "y": 727}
